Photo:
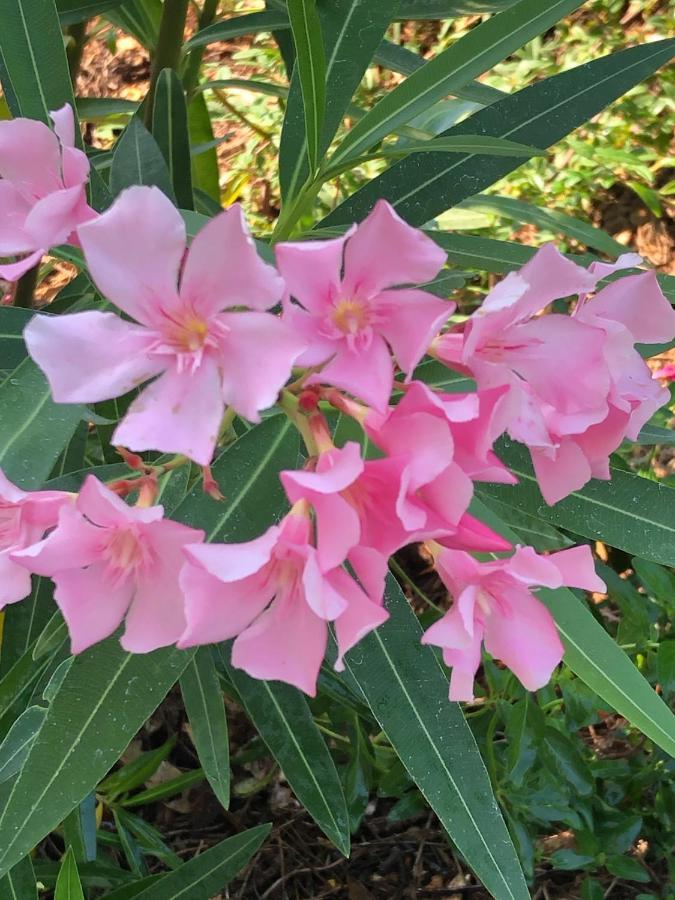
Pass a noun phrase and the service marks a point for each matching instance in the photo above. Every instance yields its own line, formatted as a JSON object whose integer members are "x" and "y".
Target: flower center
{"x": 124, "y": 551}
{"x": 191, "y": 335}
{"x": 350, "y": 316}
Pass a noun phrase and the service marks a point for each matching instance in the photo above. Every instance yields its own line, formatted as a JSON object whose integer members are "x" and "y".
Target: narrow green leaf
{"x": 351, "y": 32}
{"x": 598, "y": 660}
{"x": 17, "y": 743}
{"x": 407, "y": 690}
{"x": 98, "y": 109}
{"x": 139, "y": 18}
{"x": 253, "y": 23}
{"x": 476, "y": 52}
{"x": 68, "y": 884}
{"x": 19, "y": 883}
{"x": 205, "y": 174}
{"x": 170, "y": 130}
{"x": 33, "y": 65}
{"x": 284, "y": 721}
{"x": 12, "y": 348}
{"x": 651, "y": 434}
{"x": 629, "y": 512}
{"x": 448, "y": 9}
{"x": 310, "y": 65}
{"x": 206, "y": 874}
{"x": 540, "y": 115}
{"x": 550, "y": 219}
{"x": 73, "y": 11}
{"x": 24, "y": 622}
{"x": 166, "y": 789}
{"x": 34, "y": 429}
{"x": 205, "y": 708}
{"x": 137, "y": 159}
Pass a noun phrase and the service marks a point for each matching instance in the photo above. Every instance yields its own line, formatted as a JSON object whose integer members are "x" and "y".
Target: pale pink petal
{"x": 53, "y": 218}
{"x": 359, "y": 618}
{"x": 577, "y": 568}
{"x": 15, "y": 583}
{"x": 134, "y": 253}
{"x": 371, "y": 569}
{"x": 449, "y": 494}
{"x": 30, "y": 157}
{"x": 549, "y": 276}
{"x": 532, "y": 569}
{"x": 92, "y": 605}
{"x": 475, "y": 536}
{"x": 91, "y": 356}
{"x": 177, "y": 413}
{"x": 456, "y": 570}
{"x": 13, "y": 238}
{"x": 14, "y": 271}
{"x": 9, "y": 492}
{"x": 74, "y": 543}
{"x": 625, "y": 261}
{"x": 464, "y": 664}
{"x": 524, "y": 638}
{"x": 311, "y": 270}
{"x": 309, "y": 329}
{"x": 103, "y": 507}
{"x": 257, "y": 357}
{"x": 75, "y": 167}
{"x": 64, "y": 124}
{"x": 156, "y": 617}
{"x": 455, "y": 631}
{"x": 638, "y": 303}
{"x": 560, "y": 475}
{"x": 598, "y": 441}
{"x": 387, "y": 252}
{"x": 232, "y": 562}
{"x": 217, "y": 611}
{"x": 410, "y": 319}
{"x": 321, "y": 593}
{"x": 368, "y": 374}
{"x": 286, "y": 643}
{"x": 223, "y": 268}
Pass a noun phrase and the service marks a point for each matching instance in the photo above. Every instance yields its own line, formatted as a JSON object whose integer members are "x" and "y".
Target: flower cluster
{"x": 211, "y": 331}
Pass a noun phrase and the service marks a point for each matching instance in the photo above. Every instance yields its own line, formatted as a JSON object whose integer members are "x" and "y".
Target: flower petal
{"x": 223, "y": 268}
{"x": 13, "y": 237}
{"x": 311, "y": 270}
{"x": 14, "y": 271}
{"x": 92, "y": 606}
{"x": 134, "y": 253}
{"x": 638, "y": 303}
{"x": 55, "y": 217}
{"x": 577, "y": 568}
{"x": 359, "y": 618}
{"x": 103, "y": 507}
{"x": 410, "y": 319}
{"x": 368, "y": 374}
{"x": 91, "y": 356}
{"x": 561, "y": 474}
{"x": 177, "y": 413}
{"x": 15, "y": 582}
{"x": 232, "y": 562}
{"x": 30, "y": 157}
{"x": 74, "y": 543}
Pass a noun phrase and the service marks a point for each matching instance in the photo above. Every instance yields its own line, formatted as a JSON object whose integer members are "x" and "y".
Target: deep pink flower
{"x": 349, "y": 315}
{"x": 109, "y": 560}
{"x": 576, "y": 385}
{"x": 493, "y": 604}
{"x": 24, "y": 518}
{"x": 274, "y": 597}
{"x": 42, "y": 189}
{"x": 205, "y": 358}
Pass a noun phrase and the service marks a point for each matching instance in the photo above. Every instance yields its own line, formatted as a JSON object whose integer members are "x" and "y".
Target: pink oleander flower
{"x": 207, "y": 352}
{"x": 576, "y": 385}
{"x": 665, "y": 373}
{"x": 42, "y": 189}
{"x": 493, "y": 604}
{"x": 109, "y": 561}
{"x": 349, "y": 314}
{"x": 274, "y": 597}
{"x": 24, "y": 518}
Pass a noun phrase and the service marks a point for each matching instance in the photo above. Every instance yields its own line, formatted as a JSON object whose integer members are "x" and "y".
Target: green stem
{"x": 290, "y": 405}
{"x": 169, "y": 43}
{"x": 25, "y": 288}
{"x": 191, "y": 74}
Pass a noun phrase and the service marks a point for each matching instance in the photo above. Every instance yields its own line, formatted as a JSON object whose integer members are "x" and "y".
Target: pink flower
{"x": 665, "y": 373}
{"x": 42, "y": 189}
{"x": 352, "y": 318}
{"x": 274, "y": 597}
{"x": 108, "y": 561}
{"x": 205, "y": 358}
{"x": 24, "y": 518}
{"x": 493, "y": 603}
{"x": 576, "y": 385}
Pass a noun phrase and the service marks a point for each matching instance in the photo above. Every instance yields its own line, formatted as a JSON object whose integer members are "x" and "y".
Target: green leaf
{"x": 34, "y": 429}
{"x": 310, "y": 65}
{"x": 137, "y": 772}
{"x": 550, "y": 219}
{"x": 33, "y": 65}
{"x": 17, "y": 743}
{"x": 480, "y": 49}
{"x": 73, "y": 11}
{"x": 170, "y": 130}
{"x": 12, "y": 348}
{"x": 539, "y": 115}
{"x": 598, "y": 660}
{"x": 137, "y": 159}
{"x": 253, "y": 23}
{"x": 629, "y": 512}
{"x": 651, "y": 434}
{"x": 139, "y": 18}
{"x": 206, "y": 874}
{"x": 205, "y": 709}
{"x": 627, "y": 867}
{"x": 407, "y": 690}
{"x": 19, "y": 883}
{"x": 205, "y": 174}
{"x": 351, "y": 30}
{"x": 284, "y": 721}
{"x": 68, "y": 884}
{"x": 566, "y": 759}
{"x": 166, "y": 789}
{"x": 665, "y": 666}
{"x": 448, "y": 9}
